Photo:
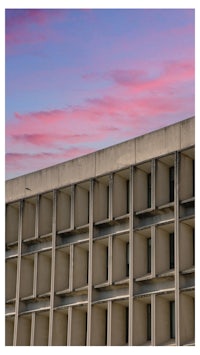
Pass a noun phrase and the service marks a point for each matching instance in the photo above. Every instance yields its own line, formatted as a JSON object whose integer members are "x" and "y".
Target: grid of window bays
{"x": 108, "y": 261}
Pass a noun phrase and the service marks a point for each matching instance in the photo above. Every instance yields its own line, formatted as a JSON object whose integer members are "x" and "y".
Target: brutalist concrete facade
{"x": 100, "y": 249}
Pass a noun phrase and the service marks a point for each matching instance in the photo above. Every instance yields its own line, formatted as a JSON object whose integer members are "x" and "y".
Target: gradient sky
{"x": 82, "y": 80}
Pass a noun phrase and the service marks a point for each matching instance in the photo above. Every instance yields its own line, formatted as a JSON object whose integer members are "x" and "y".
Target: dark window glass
{"x": 106, "y": 325}
{"x": 193, "y": 242}
{"x": 193, "y": 176}
{"x": 127, "y": 196}
{"x": 87, "y": 265}
{"x": 127, "y": 259}
{"x": 148, "y": 255}
{"x": 149, "y": 190}
{"x": 171, "y": 184}
{"x": 88, "y": 197}
{"x": 171, "y": 250}
{"x": 172, "y": 319}
{"x": 149, "y": 321}
{"x": 85, "y": 328}
{"x": 107, "y": 191}
{"x": 106, "y": 263}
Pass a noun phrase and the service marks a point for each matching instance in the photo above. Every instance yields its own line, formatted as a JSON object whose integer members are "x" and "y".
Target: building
{"x": 100, "y": 249}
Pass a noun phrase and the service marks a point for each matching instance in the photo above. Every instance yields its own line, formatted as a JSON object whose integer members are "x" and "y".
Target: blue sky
{"x": 80, "y": 80}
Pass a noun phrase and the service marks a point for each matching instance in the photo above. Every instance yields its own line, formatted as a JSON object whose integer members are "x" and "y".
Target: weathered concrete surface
{"x": 160, "y": 142}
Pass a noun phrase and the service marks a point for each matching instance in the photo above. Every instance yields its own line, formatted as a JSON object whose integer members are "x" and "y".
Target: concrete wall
{"x": 162, "y": 320}
{"x": 11, "y": 274}
{"x": 9, "y": 329}
{"x": 99, "y": 263}
{"x": 62, "y": 269}
{"x": 101, "y": 203}
{"x": 79, "y": 331}
{"x": 160, "y": 142}
{"x": 119, "y": 196}
{"x": 45, "y": 215}
{"x": 186, "y": 177}
{"x": 118, "y": 324}
{"x": 186, "y": 246}
{"x": 162, "y": 258}
{"x": 27, "y": 274}
{"x": 24, "y": 331}
{"x": 12, "y": 223}
{"x": 162, "y": 184}
{"x": 44, "y": 273}
{"x": 60, "y": 320}
{"x": 140, "y": 190}
{"x": 119, "y": 260}
{"x": 187, "y": 319}
{"x": 41, "y": 328}
{"x": 139, "y": 327}
{"x": 99, "y": 328}
{"x": 29, "y": 215}
{"x": 80, "y": 266}
{"x": 63, "y": 214}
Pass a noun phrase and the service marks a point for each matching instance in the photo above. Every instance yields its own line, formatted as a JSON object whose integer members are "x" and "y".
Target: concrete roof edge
{"x": 97, "y": 151}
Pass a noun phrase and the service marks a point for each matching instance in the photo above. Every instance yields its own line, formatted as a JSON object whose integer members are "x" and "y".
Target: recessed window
{"x": 148, "y": 321}
{"x": 171, "y": 250}
{"x": 148, "y": 255}
{"x": 127, "y": 259}
{"x": 171, "y": 184}
{"x": 172, "y": 319}
{"x": 149, "y": 190}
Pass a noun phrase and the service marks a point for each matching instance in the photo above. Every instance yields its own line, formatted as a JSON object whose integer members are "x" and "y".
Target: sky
{"x": 79, "y": 80}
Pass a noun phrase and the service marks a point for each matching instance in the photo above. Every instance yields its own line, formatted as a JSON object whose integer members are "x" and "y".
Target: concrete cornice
{"x": 154, "y": 144}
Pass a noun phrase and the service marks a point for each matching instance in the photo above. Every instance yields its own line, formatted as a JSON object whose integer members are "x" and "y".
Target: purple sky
{"x": 82, "y": 80}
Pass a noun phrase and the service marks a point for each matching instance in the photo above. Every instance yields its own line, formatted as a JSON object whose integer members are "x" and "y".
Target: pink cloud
{"x": 137, "y": 102}
{"x": 20, "y": 161}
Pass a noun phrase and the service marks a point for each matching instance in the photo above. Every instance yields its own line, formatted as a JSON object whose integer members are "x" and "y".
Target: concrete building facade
{"x": 100, "y": 250}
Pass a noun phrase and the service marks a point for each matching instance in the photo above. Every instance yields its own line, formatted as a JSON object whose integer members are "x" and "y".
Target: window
{"x": 106, "y": 325}
{"x": 148, "y": 321}
{"x": 171, "y": 250}
{"x": 127, "y": 259}
{"x": 85, "y": 328}
{"x": 106, "y": 262}
{"x": 193, "y": 176}
{"x": 148, "y": 190}
{"x": 171, "y": 184}
{"x": 193, "y": 242}
{"x": 148, "y": 255}
{"x": 87, "y": 256}
{"x": 127, "y": 196}
{"x": 107, "y": 190}
{"x": 172, "y": 319}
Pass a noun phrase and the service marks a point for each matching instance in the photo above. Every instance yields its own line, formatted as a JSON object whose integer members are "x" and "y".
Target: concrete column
{"x": 37, "y": 217}
{"x": 153, "y": 248}
{"x": 35, "y": 275}
{"x": 32, "y": 329}
{"x": 109, "y": 325}
{"x": 89, "y": 309}
{"x": 69, "y": 326}
{"x": 153, "y": 183}
{"x": 72, "y": 206}
{"x": 110, "y": 256}
{"x": 18, "y": 273}
{"x": 110, "y": 197}
{"x": 52, "y": 268}
{"x": 131, "y": 209}
{"x": 176, "y": 240}
{"x": 153, "y": 320}
{"x": 71, "y": 263}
